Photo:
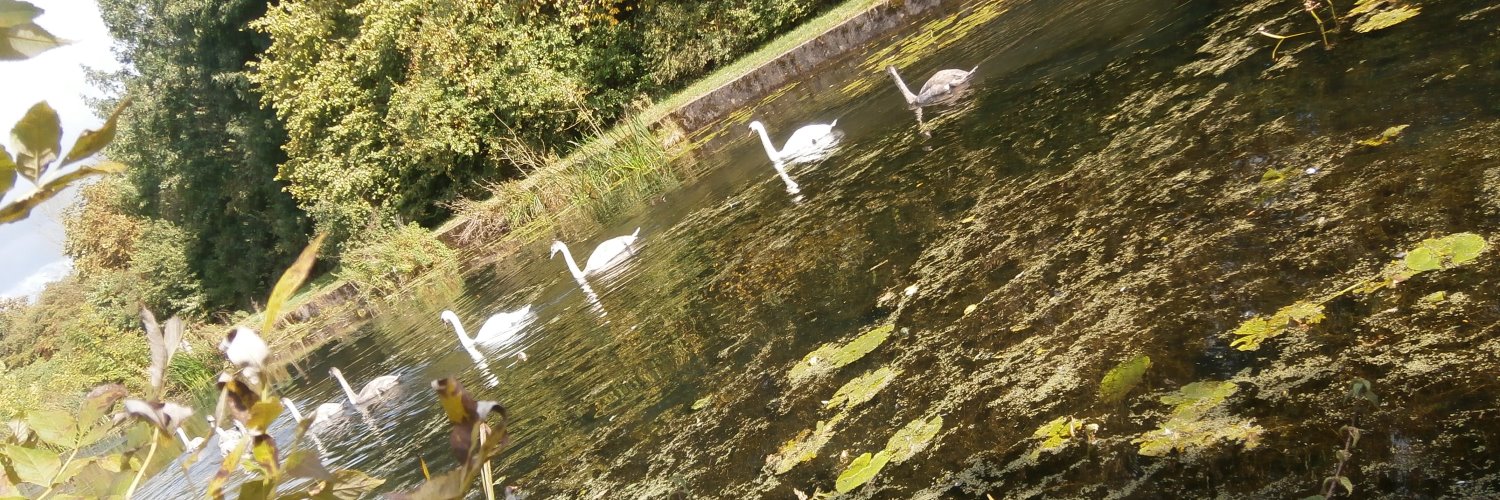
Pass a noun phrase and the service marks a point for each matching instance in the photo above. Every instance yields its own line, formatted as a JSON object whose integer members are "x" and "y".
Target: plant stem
{"x": 129, "y": 492}
{"x": 57, "y": 475}
{"x": 1315, "y": 17}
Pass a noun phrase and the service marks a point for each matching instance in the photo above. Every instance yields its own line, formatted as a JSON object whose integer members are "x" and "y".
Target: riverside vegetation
{"x": 371, "y": 121}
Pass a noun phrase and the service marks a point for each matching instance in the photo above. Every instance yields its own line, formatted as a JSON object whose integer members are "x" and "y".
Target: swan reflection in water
{"x": 943, "y": 87}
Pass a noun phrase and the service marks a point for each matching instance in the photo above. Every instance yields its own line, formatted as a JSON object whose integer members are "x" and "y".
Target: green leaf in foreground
{"x": 1122, "y": 378}
{"x": 832, "y": 356}
{"x": 57, "y": 428}
{"x": 913, "y": 438}
{"x": 37, "y": 140}
{"x": 7, "y": 170}
{"x": 861, "y": 389}
{"x": 861, "y": 471}
{"x": 290, "y": 281}
{"x": 32, "y": 465}
{"x": 19, "y": 209}
{"x": 25, "y": 41}
{"x": 15, "y": 13}
{"x": 93, "y": 141}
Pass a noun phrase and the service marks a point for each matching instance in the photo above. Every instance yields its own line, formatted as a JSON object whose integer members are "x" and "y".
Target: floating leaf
{"x": 1055, "y": 434}
{"x": 1387, "y": 18}
{"x": 1423, "y": 259}
{"x": 1386, "y": 136}
{"x": 1250, "y": 334}
{"x": 290, "y": 281}
{"x": 1197, "y": 421}
{"x": 832, "y": 356}
{"x": 860, "y": 471}
{"x": 803, "y": 447}
{"x": 913, "y": 438}
{"x": 37, "y": 141}
{"x": 1122, "y": 378}
{"x": 91, "y": 142}
{"x": 702, "y": 403}
{"x": 861, "y": 389}
{"x": 1466, "y": 247}
{"x": 33, "y": 466}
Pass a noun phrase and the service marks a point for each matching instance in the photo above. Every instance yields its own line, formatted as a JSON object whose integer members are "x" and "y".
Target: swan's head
{"x": 757, "y": 125}
{"x": 892, "y": 71}
{"x": 335, "y": 372}
{"x": 449, "y": 318}
{"x": 557, "y": 246}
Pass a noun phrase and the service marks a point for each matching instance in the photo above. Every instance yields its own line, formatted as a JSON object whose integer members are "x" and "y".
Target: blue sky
{"x": 32, "y": 249}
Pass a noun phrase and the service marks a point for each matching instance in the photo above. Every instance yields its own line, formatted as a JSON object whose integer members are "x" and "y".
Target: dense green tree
{"x": 203, "y": 152}
{"x": 394, "y": 107}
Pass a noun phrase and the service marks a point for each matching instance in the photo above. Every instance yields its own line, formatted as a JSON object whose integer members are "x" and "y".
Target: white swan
{"x": 809, "y": 143}
{"x": 229, "y": 439}
{"x": 499, "y": 330}
{"x": 324, "y": 416}
{"x": 608, "y": 254}
{"x": 939, "y": 87}
{"x": 374, "y": 390}
{"x": 246, "y": 350}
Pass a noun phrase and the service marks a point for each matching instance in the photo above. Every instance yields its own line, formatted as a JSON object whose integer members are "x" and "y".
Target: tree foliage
{"x": 203, "y": 152}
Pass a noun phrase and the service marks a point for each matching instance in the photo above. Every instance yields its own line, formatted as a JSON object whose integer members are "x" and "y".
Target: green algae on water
{"x": 861, "y": 389}
{"x": 1199, "y": 421}
{"x": 832, "y": 356}
{"x": 1122, "y": 378}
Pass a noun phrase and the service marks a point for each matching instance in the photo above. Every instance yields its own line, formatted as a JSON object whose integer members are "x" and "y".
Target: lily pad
{"x": 1122, "y": 378}
{"x": 913, "y": 438}
{"x": 861, "y": 471}
{"x": 861, "y": 389}
{"x": 802, "y": 448}
{"x": 832, "y": 356}
{"x": 1055, "y": 435}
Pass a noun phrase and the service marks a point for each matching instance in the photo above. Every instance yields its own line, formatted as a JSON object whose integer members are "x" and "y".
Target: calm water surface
{"x": 1096, "y": 196}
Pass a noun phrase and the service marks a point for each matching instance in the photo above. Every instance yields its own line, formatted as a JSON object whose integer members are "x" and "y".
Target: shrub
{"x": 384, "y": 260}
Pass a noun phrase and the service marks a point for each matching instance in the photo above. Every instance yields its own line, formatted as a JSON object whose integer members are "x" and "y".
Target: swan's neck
{"x": 905, "y": 92}
{"x": 292, "y": 407}
{"x": 186, "y": 443}
{"x": 572, "y": 265}
{"x": 463, "y": 336}
{"x": 765, "y": 140}
{"x": 348, "y": 391}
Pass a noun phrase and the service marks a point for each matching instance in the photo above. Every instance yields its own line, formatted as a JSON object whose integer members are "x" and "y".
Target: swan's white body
{"x": 499, "y": 330}
{"x": 374, "y": 390}
{"x": 324, "y": 416}
{"x": 229, "y": 439}
{"x": 608, "y": 254}
{"x": 809, "y": 143}
{"x": 939, "y": 87}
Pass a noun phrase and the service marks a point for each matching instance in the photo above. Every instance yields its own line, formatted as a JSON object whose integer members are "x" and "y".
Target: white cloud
{"x": 33, "y": 284}
{"x": 56, "y": 76}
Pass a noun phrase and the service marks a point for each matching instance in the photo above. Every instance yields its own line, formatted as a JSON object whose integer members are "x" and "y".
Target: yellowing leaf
{"x": 54, "y": 427}
{"x": 913, "y": 438}
{"x": 25, "y": 41}
{"x": 290, "y": 281}
{"x": 93, "y": 141}
{"x": 860, "y": 471}
{"x": 37, "y": 141}
{"x": 7, "y": 170}
{"x": 33, "y": 465}
{"x": 1387, "y": 18}
{"x": 1385, "y": 136}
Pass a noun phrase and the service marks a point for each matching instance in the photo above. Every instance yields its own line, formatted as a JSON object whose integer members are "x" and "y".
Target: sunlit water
{"x": 1095, "y": 196}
